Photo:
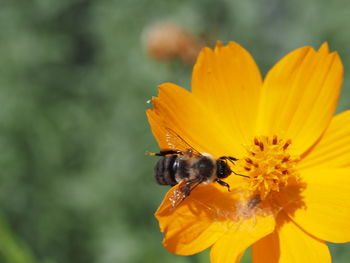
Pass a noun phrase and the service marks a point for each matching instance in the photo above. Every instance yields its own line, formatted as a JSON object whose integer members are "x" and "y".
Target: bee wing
{"x": 177, "y": 197}
{"x": 176, "y": 142}
{"x": 182, "y": 191}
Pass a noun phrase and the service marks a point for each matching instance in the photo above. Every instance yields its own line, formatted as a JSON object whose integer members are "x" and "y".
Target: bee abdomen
{"x": 165, "y": 170}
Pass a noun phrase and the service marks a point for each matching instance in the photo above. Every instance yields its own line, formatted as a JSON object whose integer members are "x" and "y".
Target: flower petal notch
{"x": 279, "y": 159}
{"x": 288, "y": 243}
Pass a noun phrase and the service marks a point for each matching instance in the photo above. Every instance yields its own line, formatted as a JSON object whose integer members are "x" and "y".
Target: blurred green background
{"x": 75, "y": 185}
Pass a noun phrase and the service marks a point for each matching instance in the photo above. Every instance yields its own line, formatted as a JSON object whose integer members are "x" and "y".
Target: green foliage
{"x": 74, "y": 80}
{"x": 11, "y": 249}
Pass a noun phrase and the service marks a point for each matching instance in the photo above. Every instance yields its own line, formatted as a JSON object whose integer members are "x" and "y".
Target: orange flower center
{"x": 269, "y": 165}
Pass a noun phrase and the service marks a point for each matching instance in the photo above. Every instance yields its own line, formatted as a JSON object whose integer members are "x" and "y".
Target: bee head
{"x": 223, "y": 169}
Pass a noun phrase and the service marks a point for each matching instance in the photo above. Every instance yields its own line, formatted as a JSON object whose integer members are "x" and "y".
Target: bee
{"x": 184, "y": 165}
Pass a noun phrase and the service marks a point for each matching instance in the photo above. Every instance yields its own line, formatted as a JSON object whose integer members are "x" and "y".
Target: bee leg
{"x": 187, "y": 189}
{"x": 164, "y": 153}
{"x": 223, "y": 184}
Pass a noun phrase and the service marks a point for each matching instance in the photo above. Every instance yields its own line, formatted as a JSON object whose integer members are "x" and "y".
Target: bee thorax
{"x": 203, "y": 168}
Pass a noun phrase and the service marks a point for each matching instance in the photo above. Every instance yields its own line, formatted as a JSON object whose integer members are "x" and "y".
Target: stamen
{"x": 269, "y": 165}
{"x": 261, "y": 145}
{"x": 285, "y": 146}
{"x": 248, "y": 160}
{"x": 274, "y": 141}
{"x": 256, "y": 141}
{"x": 285, "y": 159}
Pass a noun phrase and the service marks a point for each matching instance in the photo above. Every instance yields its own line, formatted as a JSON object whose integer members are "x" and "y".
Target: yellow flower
{"x": 295, "y": 152}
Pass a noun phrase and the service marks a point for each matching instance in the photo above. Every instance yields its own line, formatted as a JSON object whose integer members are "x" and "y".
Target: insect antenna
{"x": 232, "y": 160}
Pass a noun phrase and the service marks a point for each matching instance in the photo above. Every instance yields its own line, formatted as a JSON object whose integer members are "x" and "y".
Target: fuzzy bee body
{"x": 173, "y": 169}
{"x": 181, "y": 164}
{"x": 165, "y": 170}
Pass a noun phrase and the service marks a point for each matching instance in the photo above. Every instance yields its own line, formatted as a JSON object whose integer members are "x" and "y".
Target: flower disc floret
{"x": 269, "y": 165}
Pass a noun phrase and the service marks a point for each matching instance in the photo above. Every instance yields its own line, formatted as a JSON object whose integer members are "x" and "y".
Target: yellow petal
{"x": 289, "y": 244}
{"x": 230, "y": 247}
{"x": 323, "y": 209}
{"x": 197, "y": 222}
{"x": 228, "y": 82}
{"x": 179, "y": 110}
{"x": 299, "y": 96}
{"x": 333, "y": 149}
